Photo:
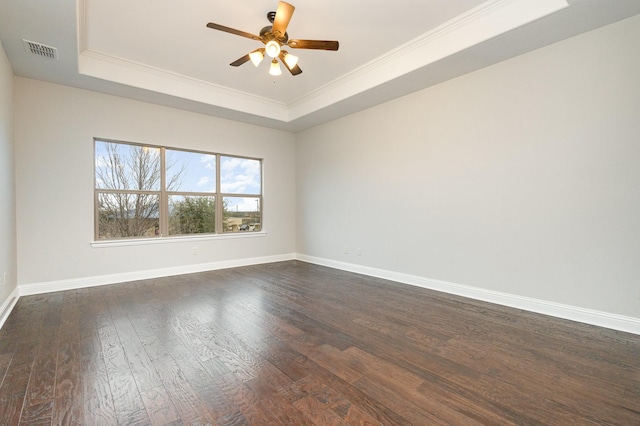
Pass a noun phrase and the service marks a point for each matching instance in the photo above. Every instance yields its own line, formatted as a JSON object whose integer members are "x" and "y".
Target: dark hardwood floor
{"x": 294, "y": 343}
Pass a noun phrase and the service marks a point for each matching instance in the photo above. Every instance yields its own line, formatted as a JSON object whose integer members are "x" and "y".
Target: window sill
{"x": 178, "y": 239}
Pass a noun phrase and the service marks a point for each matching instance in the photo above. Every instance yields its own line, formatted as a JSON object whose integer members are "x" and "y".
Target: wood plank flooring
{"x": 295, "y": 343}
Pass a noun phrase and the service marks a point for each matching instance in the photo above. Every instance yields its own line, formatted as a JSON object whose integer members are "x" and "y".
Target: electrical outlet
{"x": 4, "y": 280}
{"x": 346, "y": 249}
{"x": 194, "y": 251}
{"x": 359, "y": 251}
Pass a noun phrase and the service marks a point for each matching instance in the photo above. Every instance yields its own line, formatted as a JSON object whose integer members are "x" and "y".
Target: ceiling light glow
{"x": 256, "y": 57}
{"x": 273, "y": 48}
{"x": 275, "y": 68}
{"x": 290, "y": 59}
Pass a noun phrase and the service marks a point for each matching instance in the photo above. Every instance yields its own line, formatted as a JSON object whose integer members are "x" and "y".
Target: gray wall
{"x": 521, "y": 178}
{"x": 54, "y": 130}
{"x": 7, "y": 181}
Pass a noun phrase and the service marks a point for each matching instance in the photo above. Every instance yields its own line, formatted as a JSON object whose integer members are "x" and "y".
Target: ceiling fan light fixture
{"x": 256, "y": 57}
{"x": 275, "y": 68}
{"x": 290, "y": 59}
{"x": 272, "y": 48}
{"x": 274, "y": 37}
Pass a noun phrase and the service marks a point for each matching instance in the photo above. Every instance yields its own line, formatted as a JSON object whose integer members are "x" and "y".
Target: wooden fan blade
{"x": 245, "y": 58}
{"x": 233, "y": 31}
{"x": 314, "y": 44}
{"x": 295, "y": 70}
{"x": 283, "y": 16}
{"x": 240, "y": 61}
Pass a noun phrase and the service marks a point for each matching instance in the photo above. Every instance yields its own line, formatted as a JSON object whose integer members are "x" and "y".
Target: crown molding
{"x": 479, "y": 24}
{"x": 130, "y": 73}
{"x": 119, "y": 70}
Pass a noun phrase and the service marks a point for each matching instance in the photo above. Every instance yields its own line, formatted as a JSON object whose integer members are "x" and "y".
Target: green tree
{"x": 192, "y": 215}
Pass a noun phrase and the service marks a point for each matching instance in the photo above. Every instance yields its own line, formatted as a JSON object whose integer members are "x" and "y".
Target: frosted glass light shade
{"x": 275, "y": 68}
{"x": 256, "y": 57}
{"x": 290, "y": 59}
{"x": 272, "y": 48}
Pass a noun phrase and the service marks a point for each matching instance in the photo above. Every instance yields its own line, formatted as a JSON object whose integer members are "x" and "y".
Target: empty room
{"x": 320, "y": 213}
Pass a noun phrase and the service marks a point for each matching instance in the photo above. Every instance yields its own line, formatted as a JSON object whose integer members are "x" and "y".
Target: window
{"x": 144, "y": 191}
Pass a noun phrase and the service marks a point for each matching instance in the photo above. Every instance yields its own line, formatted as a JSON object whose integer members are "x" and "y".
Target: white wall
{"x": 7, "y": 182}
{"x": 521, "y": 178}
{"x": 54, "y": 130}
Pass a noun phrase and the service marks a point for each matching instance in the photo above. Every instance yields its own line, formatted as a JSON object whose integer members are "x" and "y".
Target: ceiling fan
{"x": 274, "y": 37}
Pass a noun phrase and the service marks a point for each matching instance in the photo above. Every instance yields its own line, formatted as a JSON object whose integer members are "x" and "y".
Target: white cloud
{"x": 240, "y": 175}
{"x": 228, "y": 164}
{"x": 243, "y": 204}
{"x": 209, "y": 160}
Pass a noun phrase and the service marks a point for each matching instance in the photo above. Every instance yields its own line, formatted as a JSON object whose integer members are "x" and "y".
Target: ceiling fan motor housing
{"x": 267, "y": 34}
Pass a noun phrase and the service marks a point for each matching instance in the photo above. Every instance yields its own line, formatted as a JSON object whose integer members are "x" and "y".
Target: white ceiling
{"x": 161, "y": 50}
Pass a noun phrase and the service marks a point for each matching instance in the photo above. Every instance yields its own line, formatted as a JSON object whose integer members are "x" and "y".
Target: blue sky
{"x": 237, "y": 175}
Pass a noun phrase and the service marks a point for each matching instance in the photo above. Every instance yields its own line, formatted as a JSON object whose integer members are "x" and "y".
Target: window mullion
{"x": 164, "y": 198}
{"x": 96, "y": 215}
{"x": 218, "y": 204}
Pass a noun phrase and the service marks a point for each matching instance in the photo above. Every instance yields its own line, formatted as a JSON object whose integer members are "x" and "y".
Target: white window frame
{"x": 164, "y": 195}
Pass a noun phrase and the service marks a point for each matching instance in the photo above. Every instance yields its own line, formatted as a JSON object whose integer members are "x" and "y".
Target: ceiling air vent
{"x": 40, "y": 49}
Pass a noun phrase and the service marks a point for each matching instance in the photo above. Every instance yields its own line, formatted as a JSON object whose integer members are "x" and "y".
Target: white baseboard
{"x": 573, "y": 313}
{"x": 8, "y": 305}
{"x": 75, "y": 283}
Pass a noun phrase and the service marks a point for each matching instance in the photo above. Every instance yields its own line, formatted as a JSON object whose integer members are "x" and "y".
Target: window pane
{"x": 144, "y": 191}
{"x": 240, "y": 175}
{"x": 122, "y": 166}
{"x": 190, "y": 171}
{"x": 127, "y": 215}
{"x": 191, "y": 215}
{"x": 241, "y": 214}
